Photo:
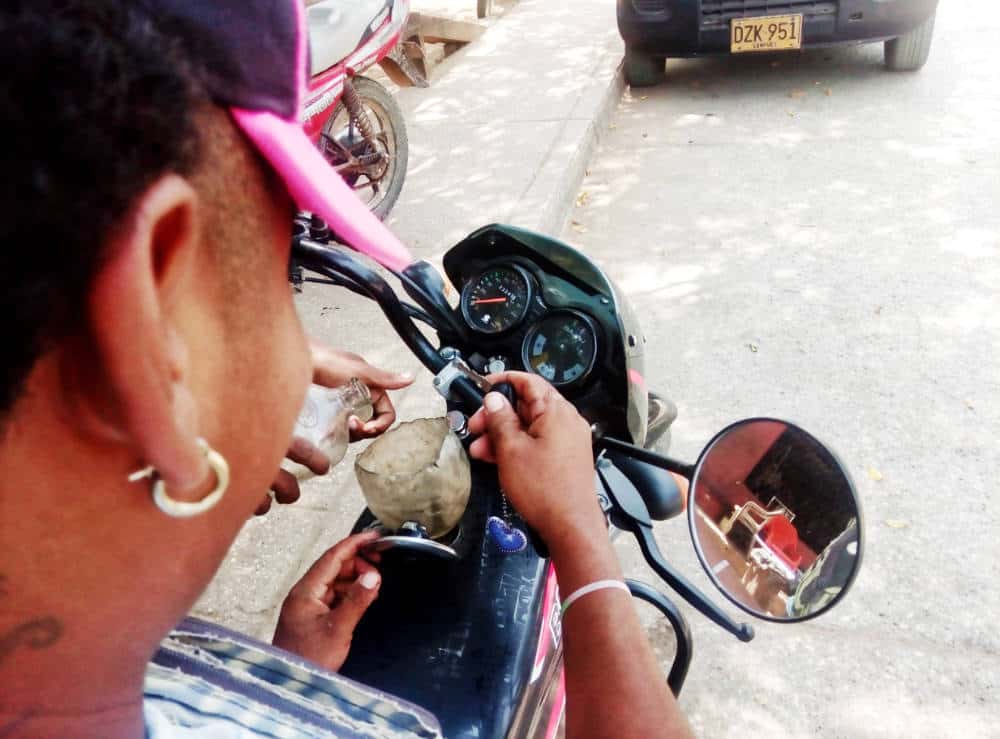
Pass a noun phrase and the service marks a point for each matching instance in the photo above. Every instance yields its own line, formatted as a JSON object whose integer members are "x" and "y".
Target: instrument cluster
{"x": 505, "y": 304}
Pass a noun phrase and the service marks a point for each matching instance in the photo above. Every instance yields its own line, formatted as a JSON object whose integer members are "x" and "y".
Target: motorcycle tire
{"x": 387, "y": 119}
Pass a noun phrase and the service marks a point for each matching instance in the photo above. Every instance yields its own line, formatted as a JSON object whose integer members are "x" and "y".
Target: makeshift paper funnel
{"x": 416, "y": 472}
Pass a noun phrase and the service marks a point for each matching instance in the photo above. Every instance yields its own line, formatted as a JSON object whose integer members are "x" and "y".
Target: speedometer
{"x": 562, "y": 348}
{"x": 497, "y": 299}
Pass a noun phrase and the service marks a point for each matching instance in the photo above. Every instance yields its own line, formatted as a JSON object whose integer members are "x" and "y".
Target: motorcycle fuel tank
{"x": 462, "y": 639}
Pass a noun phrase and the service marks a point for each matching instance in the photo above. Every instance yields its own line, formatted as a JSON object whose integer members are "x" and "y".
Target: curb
{"x": 547, "y": 203}
{"x": 507, "y": 129}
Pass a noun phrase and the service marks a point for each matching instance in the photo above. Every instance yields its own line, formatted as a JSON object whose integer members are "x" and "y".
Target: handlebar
{"x": 341, "y": 267}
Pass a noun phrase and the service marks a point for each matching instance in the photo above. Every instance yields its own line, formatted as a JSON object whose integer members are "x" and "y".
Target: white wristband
{"x": 592, "y": 588}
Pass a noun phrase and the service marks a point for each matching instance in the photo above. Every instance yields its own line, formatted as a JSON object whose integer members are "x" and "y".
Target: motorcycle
{"x": 467, "y": 625}
{"x": 353, "y": 119}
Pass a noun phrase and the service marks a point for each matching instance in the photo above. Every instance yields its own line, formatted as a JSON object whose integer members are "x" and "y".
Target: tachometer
{"x": 562, "y": 348}
{"x": 497, "y": 299}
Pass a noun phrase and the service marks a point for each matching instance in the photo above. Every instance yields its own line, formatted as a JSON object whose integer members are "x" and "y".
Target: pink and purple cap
{"x": 256, "y": 53}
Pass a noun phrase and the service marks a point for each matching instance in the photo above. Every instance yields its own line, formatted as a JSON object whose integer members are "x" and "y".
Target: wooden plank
{"x": 435, "y": 29}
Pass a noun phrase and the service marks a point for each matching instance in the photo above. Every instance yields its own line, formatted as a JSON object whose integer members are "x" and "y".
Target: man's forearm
{"x": 614, "y": 685}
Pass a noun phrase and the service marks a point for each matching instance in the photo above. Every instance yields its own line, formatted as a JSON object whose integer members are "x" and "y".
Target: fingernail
{"x": 369, "y": 580}
{"x": 493, "y": 402}
{"x": 405, "y": 376}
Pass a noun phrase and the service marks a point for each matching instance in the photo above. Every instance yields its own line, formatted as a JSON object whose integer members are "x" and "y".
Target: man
{"x": 155, "y": 366}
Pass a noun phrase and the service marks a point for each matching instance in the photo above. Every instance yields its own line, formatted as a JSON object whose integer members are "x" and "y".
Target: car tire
{"x": 909, "y": 52}
{"x": 643, "y": 70}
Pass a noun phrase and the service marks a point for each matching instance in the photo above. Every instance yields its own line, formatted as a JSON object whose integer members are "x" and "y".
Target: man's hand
{"x": 544, "y": 456}
{"x": 333, "y": 368}
{"x": 321, "y": 611}
{"x": 546, "y": 464}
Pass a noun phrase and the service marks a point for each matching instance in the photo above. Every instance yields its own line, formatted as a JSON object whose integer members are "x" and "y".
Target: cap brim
{"x": 316, "y": 187}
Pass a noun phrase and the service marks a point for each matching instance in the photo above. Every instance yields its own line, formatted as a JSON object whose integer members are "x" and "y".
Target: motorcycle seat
{"x": 337, "y": 28}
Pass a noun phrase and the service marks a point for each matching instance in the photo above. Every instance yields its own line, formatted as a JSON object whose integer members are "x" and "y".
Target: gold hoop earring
{"x": 183, "y": 509}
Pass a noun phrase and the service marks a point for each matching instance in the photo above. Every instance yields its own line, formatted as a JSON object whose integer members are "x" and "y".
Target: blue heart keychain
{"x": 509, "y": 539}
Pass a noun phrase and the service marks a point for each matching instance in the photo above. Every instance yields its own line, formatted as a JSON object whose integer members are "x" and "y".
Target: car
{"x": 656, "y": 29}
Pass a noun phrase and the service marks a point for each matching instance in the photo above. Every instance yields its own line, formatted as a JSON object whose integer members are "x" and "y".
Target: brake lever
{"x": 631, "y": 515}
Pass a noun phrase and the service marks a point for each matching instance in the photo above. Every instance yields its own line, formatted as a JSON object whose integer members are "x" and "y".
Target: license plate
{"x": 770, "y": 33}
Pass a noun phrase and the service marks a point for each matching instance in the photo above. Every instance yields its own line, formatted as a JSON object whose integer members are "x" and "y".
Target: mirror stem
{"x": 651, "y": 552}
{"x": 644, "y": 455}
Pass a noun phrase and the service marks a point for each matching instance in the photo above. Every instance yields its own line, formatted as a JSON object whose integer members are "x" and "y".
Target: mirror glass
{"x": 775, "y": 520}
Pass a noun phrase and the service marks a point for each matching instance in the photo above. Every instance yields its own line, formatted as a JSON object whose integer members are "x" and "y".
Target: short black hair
{"x": 97, "y": 102}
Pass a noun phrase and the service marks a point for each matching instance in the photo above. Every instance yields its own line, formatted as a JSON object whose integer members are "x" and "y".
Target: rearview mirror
{"x": 775, "y": 520}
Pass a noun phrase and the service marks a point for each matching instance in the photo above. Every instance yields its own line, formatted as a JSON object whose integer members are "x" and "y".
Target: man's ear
{"x": 141, "y": 358}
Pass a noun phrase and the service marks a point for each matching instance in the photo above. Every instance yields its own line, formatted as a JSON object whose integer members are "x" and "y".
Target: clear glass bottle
{"x": 324, "y": 418}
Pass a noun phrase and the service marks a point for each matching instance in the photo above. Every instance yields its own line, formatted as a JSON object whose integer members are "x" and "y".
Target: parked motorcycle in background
{"x": 352, "y": 118}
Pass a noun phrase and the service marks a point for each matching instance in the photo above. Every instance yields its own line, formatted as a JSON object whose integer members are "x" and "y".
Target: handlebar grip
{"x": 507, "y": 390}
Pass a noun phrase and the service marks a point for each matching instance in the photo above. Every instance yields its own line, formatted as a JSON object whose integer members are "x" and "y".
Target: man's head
{"x": 102, "y": 101}
{"x": 145, "y": 303}
{"x": 97, "y": 104}
{"x": 113, "y": 138}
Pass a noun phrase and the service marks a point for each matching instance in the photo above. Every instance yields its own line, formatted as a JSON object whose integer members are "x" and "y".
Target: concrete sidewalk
{"x": 504, "y": 133}
{"x": 509, "y": 123}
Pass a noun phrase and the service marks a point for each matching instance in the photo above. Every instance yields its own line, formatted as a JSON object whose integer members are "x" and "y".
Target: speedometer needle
{"x": 483, "y": 301}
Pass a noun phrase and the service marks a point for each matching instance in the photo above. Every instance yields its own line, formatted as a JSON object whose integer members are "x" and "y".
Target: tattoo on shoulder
{"x": 37, "y": 633}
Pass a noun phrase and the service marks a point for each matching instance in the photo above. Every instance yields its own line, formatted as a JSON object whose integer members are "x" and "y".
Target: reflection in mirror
{"x": 775, "y": 520}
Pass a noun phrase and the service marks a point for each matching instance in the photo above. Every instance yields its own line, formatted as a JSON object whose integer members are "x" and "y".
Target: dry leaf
{"x": 796, "y": 93}
{"x": 578, "y": 227}
{"x": 753, "y": 347}
{"x": 969, "y": 405}
{"x": 644, "y": 97}
{"x": 582, "y": 199}
{"x": 896, "y": 523}
{"x": 828, "y": 92}
{"x": 874, "y": 474}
